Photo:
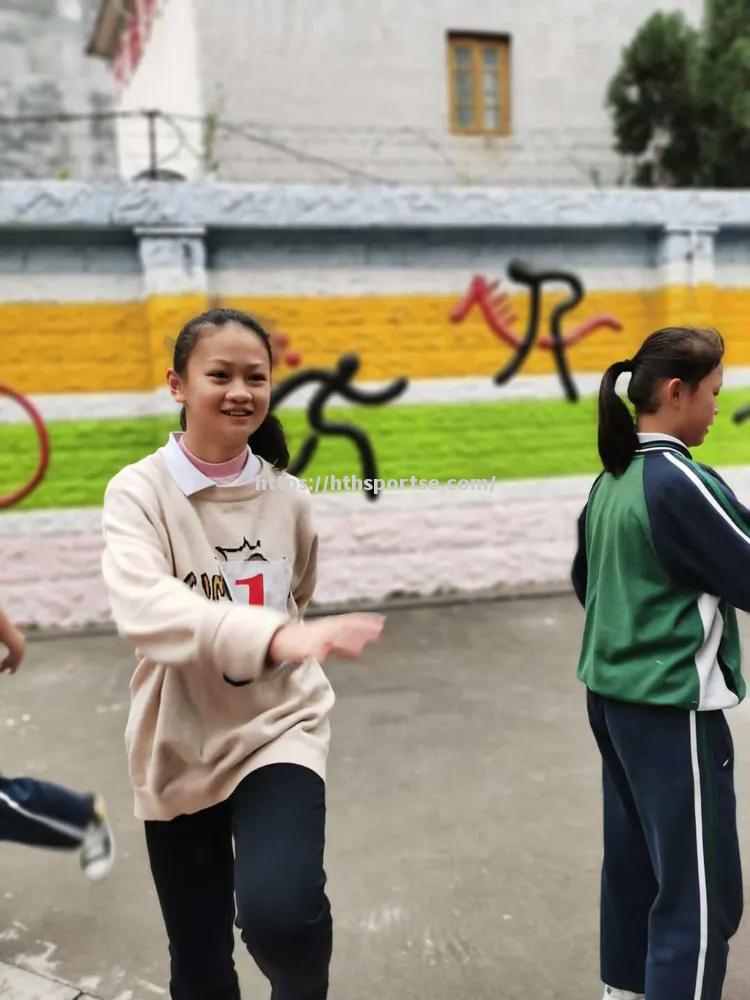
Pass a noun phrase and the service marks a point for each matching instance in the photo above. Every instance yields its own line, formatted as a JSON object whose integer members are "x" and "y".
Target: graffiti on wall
{"x": 15, "y": 496}
{"x": 332, "y": 382}
{"x": 497, "y": 310}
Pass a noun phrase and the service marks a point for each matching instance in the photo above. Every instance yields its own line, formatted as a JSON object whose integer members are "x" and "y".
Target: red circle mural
{"x": 9, "y": 499}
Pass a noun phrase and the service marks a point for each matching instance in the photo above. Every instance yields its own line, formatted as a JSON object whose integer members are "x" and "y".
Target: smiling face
{"x": 225, "y": 390}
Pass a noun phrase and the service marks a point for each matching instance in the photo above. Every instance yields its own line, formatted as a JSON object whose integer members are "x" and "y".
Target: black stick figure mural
{"x": 523, "y": 275}
{"x": 497, "y": 311}
{"x": 331, "y": 382}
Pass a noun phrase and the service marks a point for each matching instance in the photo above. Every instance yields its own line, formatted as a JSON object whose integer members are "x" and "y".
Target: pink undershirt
{"x": 222, "y": 473}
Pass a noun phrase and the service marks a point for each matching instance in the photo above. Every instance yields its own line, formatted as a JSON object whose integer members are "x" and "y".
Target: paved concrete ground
{"x": 464, "y": 839}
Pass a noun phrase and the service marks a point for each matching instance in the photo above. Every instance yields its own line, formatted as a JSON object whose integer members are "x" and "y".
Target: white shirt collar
{"x": 646, "y": 436}
{"x": 192, "y": 480}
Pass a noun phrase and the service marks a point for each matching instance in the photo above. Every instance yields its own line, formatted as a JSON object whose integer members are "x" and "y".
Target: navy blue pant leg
{"x": 671, "y": 877}
{"x": 43, "y": 814}
{"x": 628, "y": 882}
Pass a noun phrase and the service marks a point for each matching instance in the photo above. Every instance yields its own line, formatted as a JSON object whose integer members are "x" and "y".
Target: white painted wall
{"x": 167, "y": 79}
{"x": 317, "y": 76}
{"x": 354, "y": 89}
{"x": 43, "y": 71}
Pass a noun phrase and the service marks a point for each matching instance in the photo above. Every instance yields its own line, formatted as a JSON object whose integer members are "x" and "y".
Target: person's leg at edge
{"x": 43, "y": 814}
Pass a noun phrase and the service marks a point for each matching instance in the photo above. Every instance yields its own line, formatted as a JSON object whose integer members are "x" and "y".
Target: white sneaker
{"x": 98, "y": 847}
{"x": 611, "y": 993}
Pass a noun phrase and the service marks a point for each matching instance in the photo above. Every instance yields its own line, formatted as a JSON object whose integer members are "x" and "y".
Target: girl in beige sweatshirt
{"x": 209, "y": 562}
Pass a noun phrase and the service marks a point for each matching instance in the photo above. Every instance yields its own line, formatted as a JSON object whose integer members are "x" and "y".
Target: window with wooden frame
{"x": 479, "y": 83}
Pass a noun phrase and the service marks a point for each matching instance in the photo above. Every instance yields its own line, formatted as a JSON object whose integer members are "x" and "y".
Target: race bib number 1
{"x": 258, "y": 583}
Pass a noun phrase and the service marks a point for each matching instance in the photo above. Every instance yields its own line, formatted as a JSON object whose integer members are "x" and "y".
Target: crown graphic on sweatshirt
{"x": 243, "y": 552}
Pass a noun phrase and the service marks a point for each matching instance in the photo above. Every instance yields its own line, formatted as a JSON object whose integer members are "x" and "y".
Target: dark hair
{"x": 684, "y": 352}
{"x": 268, "y": 440}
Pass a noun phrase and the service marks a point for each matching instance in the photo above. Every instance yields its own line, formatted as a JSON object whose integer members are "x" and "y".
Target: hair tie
{"x": 626, "y": 366}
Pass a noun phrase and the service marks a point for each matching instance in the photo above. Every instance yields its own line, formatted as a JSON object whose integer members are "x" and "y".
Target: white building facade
{"x": 406, "y": 91}
{"x": 44, "y": 77}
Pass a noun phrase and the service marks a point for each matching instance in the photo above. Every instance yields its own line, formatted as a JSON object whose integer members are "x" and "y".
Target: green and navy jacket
{"x": 663, "y": 561}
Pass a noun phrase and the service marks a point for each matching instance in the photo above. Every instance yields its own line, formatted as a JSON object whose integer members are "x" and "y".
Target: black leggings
{"x": 277, "y": 819}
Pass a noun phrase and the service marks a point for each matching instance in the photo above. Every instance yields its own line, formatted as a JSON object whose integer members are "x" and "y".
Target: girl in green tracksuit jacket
{"x": 663, "y": 560}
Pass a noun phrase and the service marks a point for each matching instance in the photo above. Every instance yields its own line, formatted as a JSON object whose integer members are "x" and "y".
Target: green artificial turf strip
{"x": 509, "y": 440}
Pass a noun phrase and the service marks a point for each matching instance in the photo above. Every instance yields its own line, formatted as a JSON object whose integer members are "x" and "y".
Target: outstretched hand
{"x": 339, "y": 635}
{"x": 16, "y": 644}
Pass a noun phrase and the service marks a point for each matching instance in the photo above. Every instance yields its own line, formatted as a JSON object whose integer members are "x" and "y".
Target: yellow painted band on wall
{"x": 91, "y": 346}
{"x": 99, "y": 347}
{"x": 69, "y": 347}
{"x": 166, "y": 315}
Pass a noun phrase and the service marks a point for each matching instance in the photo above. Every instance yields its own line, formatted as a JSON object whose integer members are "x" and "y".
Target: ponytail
{"x": 269, "y": 442}
{"x": 617, "y": 435}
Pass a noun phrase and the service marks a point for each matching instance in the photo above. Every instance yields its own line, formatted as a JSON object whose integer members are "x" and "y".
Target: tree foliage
{"x": 680, "y": 100}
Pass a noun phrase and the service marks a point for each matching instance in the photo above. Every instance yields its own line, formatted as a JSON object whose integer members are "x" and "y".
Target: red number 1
{"x": 255, "y": 592}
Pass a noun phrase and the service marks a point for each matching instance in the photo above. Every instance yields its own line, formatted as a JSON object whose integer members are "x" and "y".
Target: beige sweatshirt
{"x": 199, "y": 578}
